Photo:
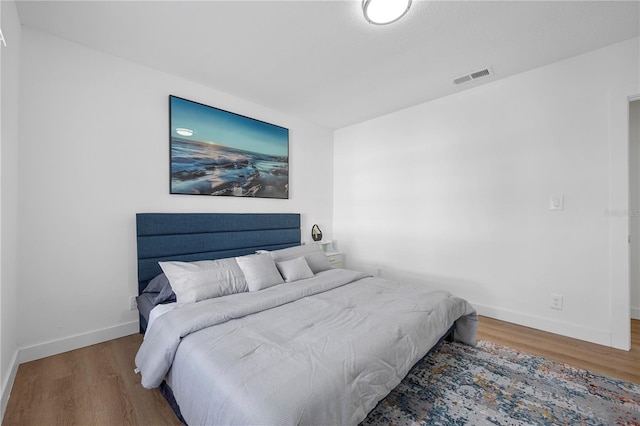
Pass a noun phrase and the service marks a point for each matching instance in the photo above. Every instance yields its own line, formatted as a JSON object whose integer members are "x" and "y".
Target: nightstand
{"x": 336, "y": 259}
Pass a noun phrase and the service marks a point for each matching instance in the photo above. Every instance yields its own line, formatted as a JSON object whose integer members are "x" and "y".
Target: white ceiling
{"x": 320, "y": 60}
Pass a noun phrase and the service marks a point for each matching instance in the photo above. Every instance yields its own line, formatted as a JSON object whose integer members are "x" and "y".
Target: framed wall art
{"x": 216, "y": 152}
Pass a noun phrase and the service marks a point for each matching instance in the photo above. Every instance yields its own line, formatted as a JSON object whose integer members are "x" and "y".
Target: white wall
{"x": 94, "y": 150}
{"x": 9, "y": 72}
{"x": 455, "y": 193}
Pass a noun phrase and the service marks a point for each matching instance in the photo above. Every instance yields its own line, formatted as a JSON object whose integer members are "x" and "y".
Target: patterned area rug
{"x": 494, "y": 385}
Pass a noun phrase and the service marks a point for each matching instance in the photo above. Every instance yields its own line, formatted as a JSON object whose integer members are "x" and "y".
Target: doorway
{"x": 634, "y": 207}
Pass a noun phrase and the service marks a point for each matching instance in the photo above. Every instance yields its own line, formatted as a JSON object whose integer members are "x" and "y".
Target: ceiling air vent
{"x": 485, "y": 72}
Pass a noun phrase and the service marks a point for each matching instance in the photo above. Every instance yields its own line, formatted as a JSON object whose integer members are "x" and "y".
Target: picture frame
{"x": 221, "y": 153}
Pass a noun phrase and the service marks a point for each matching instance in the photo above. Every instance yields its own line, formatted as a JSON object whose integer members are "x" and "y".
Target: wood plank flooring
{"x": 96, "y": 385}
{"x": 624, "y": 365}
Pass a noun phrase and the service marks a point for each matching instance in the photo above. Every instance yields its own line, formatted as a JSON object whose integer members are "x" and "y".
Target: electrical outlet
{"x": 133, "y": 303}
{"x": 556, "y": 301}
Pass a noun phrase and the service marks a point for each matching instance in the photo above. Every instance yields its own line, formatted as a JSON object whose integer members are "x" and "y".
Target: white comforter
{"x": 319, "y": 351}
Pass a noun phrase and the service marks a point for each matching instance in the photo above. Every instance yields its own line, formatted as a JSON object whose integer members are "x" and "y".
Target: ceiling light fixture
{"x": 184, "y": 132}
{"x": 382, "y": 12}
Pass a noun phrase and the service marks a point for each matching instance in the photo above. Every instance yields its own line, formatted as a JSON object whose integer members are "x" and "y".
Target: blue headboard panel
{"x": 199, "y": 236}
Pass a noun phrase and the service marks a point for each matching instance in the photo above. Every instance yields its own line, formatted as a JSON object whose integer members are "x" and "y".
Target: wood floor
{"x": 96, "y": 385}
{"x": 624, "y": 365}
{"x": 89, "y": 386}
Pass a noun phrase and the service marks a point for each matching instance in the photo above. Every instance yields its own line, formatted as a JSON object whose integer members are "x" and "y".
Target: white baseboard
{"x": 58, "y": 346}
{"x": 600, "y": 336}
{"x": 7, "y": 384}
{"x": 635, "y": 313}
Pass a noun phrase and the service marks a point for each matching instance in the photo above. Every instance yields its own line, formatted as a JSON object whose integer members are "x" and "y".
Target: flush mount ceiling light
{"x": 184, "y": 132}
{"x": 382, "y": 12}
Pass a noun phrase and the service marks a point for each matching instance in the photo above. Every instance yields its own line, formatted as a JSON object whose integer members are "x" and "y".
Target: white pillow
{"x": 259, "y": 271}
{"x": 294, "y": 269}
{"x": 204, "y": 279}
{"x": 313, "y": 254}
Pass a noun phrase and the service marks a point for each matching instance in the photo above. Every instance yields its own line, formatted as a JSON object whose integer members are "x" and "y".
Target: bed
{"x": 306, "y": 344}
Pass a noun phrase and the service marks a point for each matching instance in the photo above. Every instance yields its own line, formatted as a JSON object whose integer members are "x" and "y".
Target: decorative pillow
{"x": 160, "y": 284}
{"x": 313, "y": 254}
{"x": 166, "y": 295}
{"x": 294, "y": 269}
{"x": 157, "y": 284}
{"x": 204, "y": 279}
{"x": 259, "y": 271}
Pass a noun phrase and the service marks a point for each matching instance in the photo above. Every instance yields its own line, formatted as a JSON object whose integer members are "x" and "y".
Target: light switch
{"x": 556, "y": 202}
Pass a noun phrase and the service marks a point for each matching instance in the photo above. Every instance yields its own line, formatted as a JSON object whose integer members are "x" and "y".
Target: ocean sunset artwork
{"x": 216, "y": 152}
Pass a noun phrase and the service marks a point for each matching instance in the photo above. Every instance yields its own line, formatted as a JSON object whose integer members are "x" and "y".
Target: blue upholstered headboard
{"x": 199, "y": 236}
